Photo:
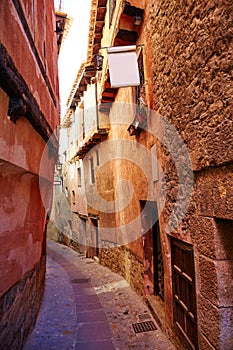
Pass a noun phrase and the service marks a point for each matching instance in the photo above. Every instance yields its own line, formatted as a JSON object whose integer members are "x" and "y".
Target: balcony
{"x": 90, "y": 142}
{"x": 127, "y": 31}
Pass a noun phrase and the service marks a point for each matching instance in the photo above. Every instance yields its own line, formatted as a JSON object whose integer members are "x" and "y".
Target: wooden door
{"x": 95, "y": 237}
{"x": 184, "y": 292}
{"x": 153, "y": 260}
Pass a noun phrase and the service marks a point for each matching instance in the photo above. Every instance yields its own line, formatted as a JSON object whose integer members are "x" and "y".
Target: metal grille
{"x": 144, "y": 327}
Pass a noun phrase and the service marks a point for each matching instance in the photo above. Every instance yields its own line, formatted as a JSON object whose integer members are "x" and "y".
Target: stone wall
{"x": 123, "y": 261}
{"x": 192, "y": 45}
{"x": 19, "y": 308}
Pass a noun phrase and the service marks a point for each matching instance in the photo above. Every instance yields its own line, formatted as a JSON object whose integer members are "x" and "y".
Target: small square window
{"x": 73, "y": 197}
{"x": 79, "y": 173}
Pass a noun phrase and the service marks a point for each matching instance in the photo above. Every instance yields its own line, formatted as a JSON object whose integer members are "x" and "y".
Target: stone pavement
{"x": 88, "y": 307}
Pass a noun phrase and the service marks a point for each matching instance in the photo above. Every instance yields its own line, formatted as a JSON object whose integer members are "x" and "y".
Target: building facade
{"x": 29, "y": 116}
{"x": 148, "y": 171}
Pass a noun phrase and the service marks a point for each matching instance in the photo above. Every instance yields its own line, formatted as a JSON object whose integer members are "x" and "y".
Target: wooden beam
{"x": 102, "y": 3}
{"x": 128, "y": 36}
{"x": 15, "y": 86}
{"x": 132, "y": 11}
{"x": 101, "y": 11}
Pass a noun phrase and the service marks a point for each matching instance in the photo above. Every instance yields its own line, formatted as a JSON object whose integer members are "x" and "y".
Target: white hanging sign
{"x": 123, "y": 66}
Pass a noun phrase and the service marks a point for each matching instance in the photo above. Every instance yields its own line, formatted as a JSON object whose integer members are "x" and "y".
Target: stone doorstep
{"x": 156, "y": 306}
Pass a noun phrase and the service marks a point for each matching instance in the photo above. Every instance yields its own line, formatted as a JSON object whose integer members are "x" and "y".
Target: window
{"x": 66, "y": 192}
{"x": 81, "y": 124}
{"x": 97, "y": 158}
{"x": 73, "y": 197}
{"x": 92, "y": 171}
{"x": 154, "y": 163}
{"x": 65, "y": 156}
{"x": 79, "y": 173}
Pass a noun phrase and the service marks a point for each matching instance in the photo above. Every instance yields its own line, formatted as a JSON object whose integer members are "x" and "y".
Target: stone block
{"x": 204, "y": 343}
{"x": 194, "y": 90}
{"x": 223, "y": 194}
{"x": 204, "y": 194}
{"x": 224, "y": 239}
{"x": 208, "y": 283}
{"x": 213, "y": 237}
{"x": 215, "y": 324}
{"x": 209, "y": 321}
{"x": 121, "y": 260}
{"x": 21, "y": 308}
{"x": 214, "y": 192}
{"x": 216, "y": 282}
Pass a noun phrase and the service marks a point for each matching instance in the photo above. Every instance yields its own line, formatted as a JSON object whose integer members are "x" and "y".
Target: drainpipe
{"x": 96, "y": 103}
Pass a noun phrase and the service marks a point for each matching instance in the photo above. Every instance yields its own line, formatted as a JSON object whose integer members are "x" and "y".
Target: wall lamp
{"x": 137, "y": 20}
{"x": 59, "y": 166}
{"x": 99, "y": 62}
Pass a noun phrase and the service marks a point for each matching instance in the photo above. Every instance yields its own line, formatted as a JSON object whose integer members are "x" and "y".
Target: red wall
{"x": 27, "y": 38}
{"x": 41, "y": 22}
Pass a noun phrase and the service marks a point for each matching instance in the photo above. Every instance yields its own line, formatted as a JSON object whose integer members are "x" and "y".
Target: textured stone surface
{"x": 216, "y": 281}
{"x": 19, "y": 308}
{"x": 213, "y": 237}
{"x": 191, "y": 48}
{"x": 187, "y": 56}
{"x": 216, "y": 324}
{"x": 204, "y": 343}
{"x": 121, "y": 260}
{"x": 214, "y": 192}
{"x": 103, "y": 325}
{"x": 192, "y": 44}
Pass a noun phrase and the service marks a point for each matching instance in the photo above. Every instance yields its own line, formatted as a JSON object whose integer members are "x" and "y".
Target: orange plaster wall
{"x": 14, "y": 39}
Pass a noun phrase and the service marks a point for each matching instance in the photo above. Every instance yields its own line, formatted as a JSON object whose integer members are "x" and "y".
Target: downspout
{"x": 96, "y": 103}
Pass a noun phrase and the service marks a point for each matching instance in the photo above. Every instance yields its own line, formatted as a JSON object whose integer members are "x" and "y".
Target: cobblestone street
{"x": 88, "y": 307}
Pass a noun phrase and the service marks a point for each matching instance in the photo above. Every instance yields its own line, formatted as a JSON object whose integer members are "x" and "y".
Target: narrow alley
{"x": 88, "y": 307}
{"x": 116, "y": 175}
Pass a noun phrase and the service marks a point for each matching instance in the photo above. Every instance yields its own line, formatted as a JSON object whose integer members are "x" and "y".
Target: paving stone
{"x": 95, "y": 331}
{"x": 94, "y": 346}
{"x": 93, "y": 315}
